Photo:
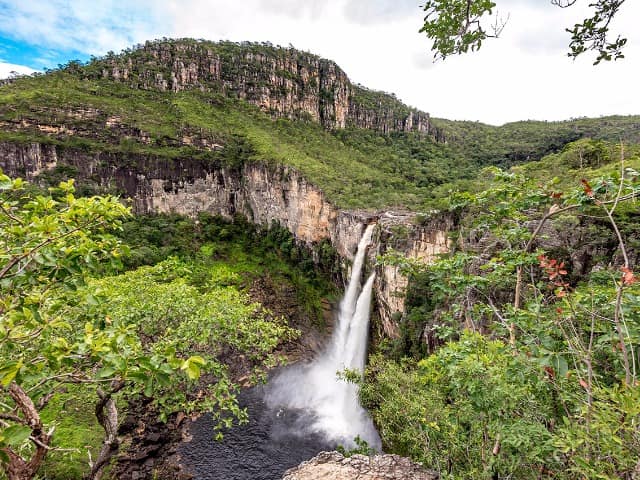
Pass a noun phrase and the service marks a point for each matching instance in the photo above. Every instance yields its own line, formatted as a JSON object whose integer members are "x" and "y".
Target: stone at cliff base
{"x": 335, "y": 466}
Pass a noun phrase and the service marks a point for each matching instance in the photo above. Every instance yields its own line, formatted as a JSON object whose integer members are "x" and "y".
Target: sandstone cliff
{"x": 282, "y": 81}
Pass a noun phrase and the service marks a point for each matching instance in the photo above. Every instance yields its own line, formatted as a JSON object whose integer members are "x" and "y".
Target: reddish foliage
{"x": 628, "y": 278}
{"x": 587, "y": 188}
{"x": 555, "y": 271}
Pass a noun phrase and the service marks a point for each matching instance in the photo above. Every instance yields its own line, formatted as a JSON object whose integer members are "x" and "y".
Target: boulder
{"x": 335, "y": 466}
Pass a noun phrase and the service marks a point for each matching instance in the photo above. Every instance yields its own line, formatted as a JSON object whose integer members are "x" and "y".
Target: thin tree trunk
{"x": 107, "y": 415}
{"x": 18, "y": 468}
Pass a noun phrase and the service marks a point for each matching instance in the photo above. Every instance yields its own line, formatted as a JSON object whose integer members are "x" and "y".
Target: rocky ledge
{"x": 335, "y": 466}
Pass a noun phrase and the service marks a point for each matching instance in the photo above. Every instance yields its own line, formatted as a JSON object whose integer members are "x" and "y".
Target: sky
{"x": 523, "y": 75}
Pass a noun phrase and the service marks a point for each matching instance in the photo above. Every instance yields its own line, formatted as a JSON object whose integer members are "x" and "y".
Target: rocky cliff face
{"x": 334, "y": 466}
{"x": 261, "y": 193}
{"x": 282, "y": 81}
{"x": 422, "y": 242}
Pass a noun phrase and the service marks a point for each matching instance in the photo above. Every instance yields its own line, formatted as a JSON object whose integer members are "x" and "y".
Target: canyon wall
{"x": 262, "y": 193}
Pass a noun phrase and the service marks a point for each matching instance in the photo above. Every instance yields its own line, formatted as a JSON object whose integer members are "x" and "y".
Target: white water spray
{"x": 316, "y": 387}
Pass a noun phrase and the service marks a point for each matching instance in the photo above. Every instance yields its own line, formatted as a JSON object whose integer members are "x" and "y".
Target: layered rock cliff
{"x": 282, "y": 81}
{"x": 262, "y": 193}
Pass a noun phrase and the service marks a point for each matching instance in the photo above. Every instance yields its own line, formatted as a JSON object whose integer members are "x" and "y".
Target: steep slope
{"x": 76, "y": 109}
{"x": 281, "y": 81}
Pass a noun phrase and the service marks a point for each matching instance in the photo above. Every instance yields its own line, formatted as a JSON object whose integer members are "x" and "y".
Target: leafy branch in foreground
{"x": 457, "y": 26}
{"x": 146, "y": 332}
{"x": 48, "y": 242}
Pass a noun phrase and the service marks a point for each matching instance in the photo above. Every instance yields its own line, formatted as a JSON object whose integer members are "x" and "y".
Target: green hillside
{"x": 76, "y": 107}
{"x": 519, "y": 142}
{"x": 356, "y": 169}
{"x": 517, "y": 352}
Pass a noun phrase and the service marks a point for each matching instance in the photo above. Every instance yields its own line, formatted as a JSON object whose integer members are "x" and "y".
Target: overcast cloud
{"x": 524, "y": 75}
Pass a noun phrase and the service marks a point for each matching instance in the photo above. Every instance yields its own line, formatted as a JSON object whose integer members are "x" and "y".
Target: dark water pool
{"x": 263, "y": 449}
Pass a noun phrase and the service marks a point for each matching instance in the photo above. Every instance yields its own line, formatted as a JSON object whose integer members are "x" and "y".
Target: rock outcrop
{"x": 335, "y": 466}
{"x": 264, "y": 194}
{"x": 423, "y": 242}
{"x": 281, "y": 81}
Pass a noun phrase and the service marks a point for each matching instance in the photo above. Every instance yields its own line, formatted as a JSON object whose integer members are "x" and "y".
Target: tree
{"x": 457, "y": 26}
{"x": 574, "y": 334}
{"x": 47, "y": 243}
{"x": 146, "y": 332}
{"x": 473, "y": 409}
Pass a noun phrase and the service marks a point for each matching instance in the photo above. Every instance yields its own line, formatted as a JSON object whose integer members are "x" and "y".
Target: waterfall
{"x": 316, "y": 387}
{"x": 348, "y": 304}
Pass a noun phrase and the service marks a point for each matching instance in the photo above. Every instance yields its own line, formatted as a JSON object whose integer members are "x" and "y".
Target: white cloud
{"x": 382, "y": 11}
{"x": 525, "y": 74}
{"x": 9, "y": 69}
{"x": 86, "y": 26}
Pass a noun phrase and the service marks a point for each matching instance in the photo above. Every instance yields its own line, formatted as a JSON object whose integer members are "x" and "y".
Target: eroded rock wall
{"x": 422, "y": 241}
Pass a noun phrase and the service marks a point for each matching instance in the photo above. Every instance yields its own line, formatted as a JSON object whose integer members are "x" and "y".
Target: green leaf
{"x": 9, "y": 372}
{"x": 192, "y": 366}
{"x": 91, "y": 300}
{"x": 5, "y": 182}
{"x": 560, "y": 365}
{"x": 16, "y": 434}
{"x": 197, "y": 359}
{"x": 148, "y": 387}
{"x": 106, "y": 372}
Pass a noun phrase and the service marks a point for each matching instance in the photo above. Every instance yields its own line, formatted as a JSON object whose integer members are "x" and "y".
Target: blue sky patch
{"x": 35, "y": 56}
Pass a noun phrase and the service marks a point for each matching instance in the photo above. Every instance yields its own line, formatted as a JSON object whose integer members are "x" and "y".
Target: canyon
{"x": 263, "y": 194}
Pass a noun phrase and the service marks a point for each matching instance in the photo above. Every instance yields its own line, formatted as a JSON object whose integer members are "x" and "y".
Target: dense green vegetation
{"x": 351, "y": 176}
{"x": 520, "y": 142}
{"x": 74, "y": 330}
{"x": 248, "y": 252}
{"x": 518, "y": 354}
{"x": 543, "y": 269}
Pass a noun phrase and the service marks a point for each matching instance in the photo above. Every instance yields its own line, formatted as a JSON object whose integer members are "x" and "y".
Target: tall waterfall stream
{"x": 302, "y": 410}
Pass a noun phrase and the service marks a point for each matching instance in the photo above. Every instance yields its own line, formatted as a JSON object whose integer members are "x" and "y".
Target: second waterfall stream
{"x": 316, "y": 387}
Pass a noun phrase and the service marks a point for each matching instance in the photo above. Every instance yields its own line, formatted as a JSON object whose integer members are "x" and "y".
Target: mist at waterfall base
{"x": 316, "y": 388}
{"x": 302, "y": 410}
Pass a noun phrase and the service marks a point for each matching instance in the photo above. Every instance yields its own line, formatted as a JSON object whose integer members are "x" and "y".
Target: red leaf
{"x": 584, "y": 384}
{"x": 587, "y": 188}
{"x": 550, "y": 371}
{"x": 628, "y": 278}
